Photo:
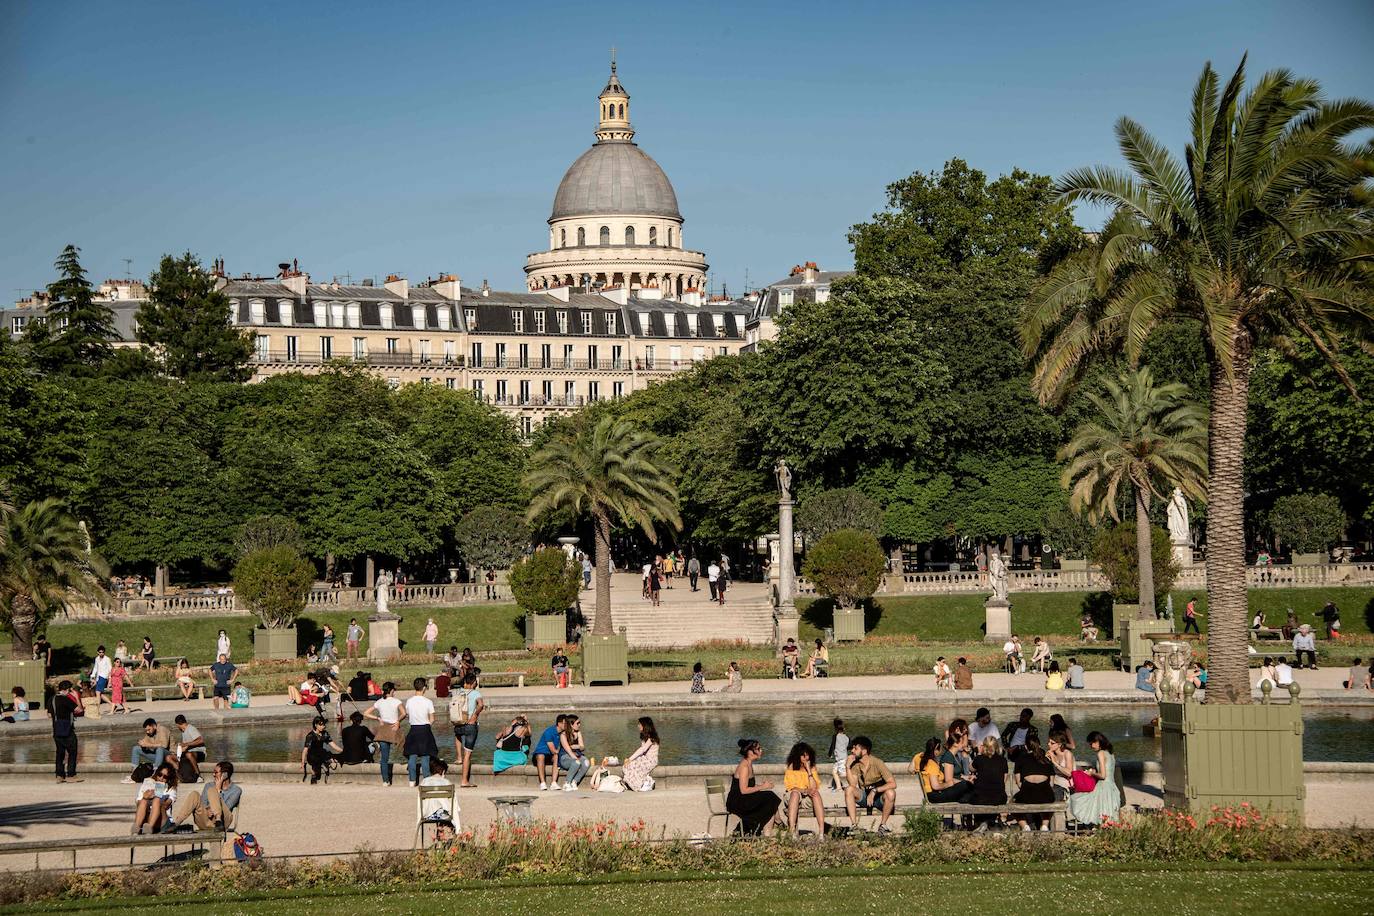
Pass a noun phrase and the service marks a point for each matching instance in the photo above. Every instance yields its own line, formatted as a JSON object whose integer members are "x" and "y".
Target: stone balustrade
{"x": 1092, "y": 580}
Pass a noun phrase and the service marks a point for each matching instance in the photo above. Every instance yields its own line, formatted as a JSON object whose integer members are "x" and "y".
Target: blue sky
{"x": 371, "y": 138}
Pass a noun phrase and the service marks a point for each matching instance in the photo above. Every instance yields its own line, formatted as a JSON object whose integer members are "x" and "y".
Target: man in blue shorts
{"x": 223, "y": 673}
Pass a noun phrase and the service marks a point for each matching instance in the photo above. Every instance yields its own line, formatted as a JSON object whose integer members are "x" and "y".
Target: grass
{"x": 905, "y": 635}
{"x": 953, "y": 890}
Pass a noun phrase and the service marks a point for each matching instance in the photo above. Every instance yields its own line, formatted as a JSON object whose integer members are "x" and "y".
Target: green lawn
{"x": 1273, "y": 889}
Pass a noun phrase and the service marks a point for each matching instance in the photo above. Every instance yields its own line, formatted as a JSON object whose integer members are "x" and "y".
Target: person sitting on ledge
{"x": 1054, "y": 680}
{"x": 357, "y": 741}
{"x": 1074, "y": 679}
{"x": 963, "y": 675}
{"x": 1087, "y": 630}
{"x": 818, "y": 665}
{"x": 791, "y": 659}
{"x": 241, "y": 697}
{"x": 155, "y": 799}
{"x": 871, "y": 784}
{"x": 309, "y": 693}
{"x": 1145, "y": 677}
{"x": 734, "y": 679}
{"x": 216, "y": 806}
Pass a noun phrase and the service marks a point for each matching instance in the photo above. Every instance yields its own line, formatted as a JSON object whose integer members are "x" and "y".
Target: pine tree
{"x": 186, "y": 323}
{"x": 75, "y": 338}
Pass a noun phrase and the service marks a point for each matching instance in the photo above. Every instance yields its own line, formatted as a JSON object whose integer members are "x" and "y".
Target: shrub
{"x": 274, "y": 582}
{"x": 846, "y": 565}
{"x": 1307, "y": 522}
{"x": 546, "y": 582}
{"x": 825, "y": 511}
{"x": 921, "y": 825}
{"x": 491, "y": 537}
{"x": 1114, "y": 551}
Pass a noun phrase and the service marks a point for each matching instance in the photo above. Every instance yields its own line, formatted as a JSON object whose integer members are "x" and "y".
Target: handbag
{"x": 1082, "y": 781}
{"x": 388, "y": 732}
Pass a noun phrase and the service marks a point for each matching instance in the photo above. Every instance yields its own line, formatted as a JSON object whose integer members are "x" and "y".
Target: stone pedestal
{"x": 997, "y": 620}
{"x": 383, "y": 637}
{"x": 1183, "y": 554}
{"x": 785, "y": 627}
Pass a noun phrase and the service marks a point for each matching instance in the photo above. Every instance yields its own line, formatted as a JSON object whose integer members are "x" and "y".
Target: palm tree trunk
{"x": 601, "y": 622}
{"x": 23, "y": 623}
{"x": 1144, "y": 554}
{"x": 1228, "y": 669}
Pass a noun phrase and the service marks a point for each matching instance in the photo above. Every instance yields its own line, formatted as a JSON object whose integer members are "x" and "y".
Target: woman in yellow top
{"x": 927, "y": 764}
{"x": 800, "y": 780}
{"x": 1054, "y": 680}
{"x": 819, "y": 660}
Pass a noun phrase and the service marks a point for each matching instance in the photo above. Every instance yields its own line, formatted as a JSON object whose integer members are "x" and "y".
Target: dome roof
{"x": 614, "y": 178}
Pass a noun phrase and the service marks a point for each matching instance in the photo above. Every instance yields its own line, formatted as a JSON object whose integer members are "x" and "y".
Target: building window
{"x": 524, "y": 356}
{"x": 610, "y": 322}
{"x": 450, "y": 352}
{"x": 263, "y": 343}
{"x": 17, "y": 325}
{"x": 326, "y": 348}
{"x": 567, "y": 356}
{"x": 691, "y": 324}
{"x": 360, "y": 348}
{"x": 477, "y": 388}
{"x": 581, "y": 236}
{"x": 675, "y": 354}
{"x": 539, "y": 321}
{"x": 500, "y": 391}
{"x": 424, "y": 352}
{"x": 257, "y": 311}
{"x": 386, "y": 313}
{"x": 501, "y": 355}
{"x": 526, "y": 427}
{"x": 617, "y": 356}
{"x": 586, "y": 322}
{"x": 629, "y": 235}
{"x": 517, "y": 320}
{"x": 477, "y": 355}
{"x": 593, "y": 391}
{"x": 450, "y": 383}
{"x": 698, "y": 354}
{"x": 605, "y": 235}
{"x": 670, "y": 324}
{"x": 546, "y": 390}
{"x": 545, "y": 356}
{"x": 617, "y": 390}
{"x": 471, "y": 316}
{"x": 653, "y": 235}
{"x": 670, "y": 238}
{"x": 293, "y": 351}
{"x": 524, "y": 391}
{"x": 591, "y": 357}
{"x": 724, "y": 351}
{"x": 649, "y": 357}
{"x": 562, "y": 322}
{"x": 562, "y": 238}
{"x": 392, "y": 345}
{"x": 569, "y": 391}
{"x": 424, "y": 380}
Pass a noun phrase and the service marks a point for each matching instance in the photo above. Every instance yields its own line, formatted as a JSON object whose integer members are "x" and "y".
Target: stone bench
{"x": 198, "y": 839}
{"x": 1058, "y": 811}
{"x": 168, "y": 691}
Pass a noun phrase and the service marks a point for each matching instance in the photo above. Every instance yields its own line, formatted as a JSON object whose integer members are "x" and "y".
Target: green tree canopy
{"x": 186, "y": 323}
{"x": 47, "y": 563}
{"x": 75, "y": 336}
{"x": 490, "y": 537}
{"x": 824, "y": 511}
{"x": 1308, "y": 522}
{"x": 545, "y": 582}
{"x": 846, "y": 565}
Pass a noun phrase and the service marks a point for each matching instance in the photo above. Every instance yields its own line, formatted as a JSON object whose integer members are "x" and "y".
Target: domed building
{"x": 615, "y": 219}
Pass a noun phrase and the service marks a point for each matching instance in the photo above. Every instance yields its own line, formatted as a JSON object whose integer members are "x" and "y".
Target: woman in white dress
{"x": 222, "y": 646}
{"x": 642, "y": 762}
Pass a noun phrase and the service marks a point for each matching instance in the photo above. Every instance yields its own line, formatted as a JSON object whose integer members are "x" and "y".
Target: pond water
{"x": 709, "y": 736}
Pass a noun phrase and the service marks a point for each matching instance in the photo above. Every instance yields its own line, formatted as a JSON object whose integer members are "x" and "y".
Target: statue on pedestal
{"x": 784, "y": 476}
{"x": 1179, "y": 532}
{"x": 383, "y": 593}
{"x": 997, "y": 575}
{"x": 1172, "y": 660}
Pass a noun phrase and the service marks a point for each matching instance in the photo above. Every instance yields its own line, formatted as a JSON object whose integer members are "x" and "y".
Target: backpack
{"x": 246, "y": 848}
{"x": 141, "y": 772}
{"x": 458, "y": 707}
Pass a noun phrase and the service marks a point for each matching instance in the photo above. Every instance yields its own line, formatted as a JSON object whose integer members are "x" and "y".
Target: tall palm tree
{"x": 1149, "y": 436}
{"x": 1262, "y": 235}
{"x": 608, "y": 469}
{"x": 46, "y": 564}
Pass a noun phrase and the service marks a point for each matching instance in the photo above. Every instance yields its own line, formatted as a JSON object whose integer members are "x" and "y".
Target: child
{"x": 119, "y": 679}
{"x": 839, "y": 752}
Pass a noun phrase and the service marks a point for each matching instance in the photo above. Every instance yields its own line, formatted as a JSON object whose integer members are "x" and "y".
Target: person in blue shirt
{"x": 545, "y": 752}
{"x": 1144, "y": 677}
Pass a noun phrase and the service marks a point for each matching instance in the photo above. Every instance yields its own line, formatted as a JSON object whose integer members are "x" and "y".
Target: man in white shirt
{"x": 419, "y": 746}
{"x": 982, "y": 727}
{"x": 1012, "y": 650}
{"x": 435, "y": 810}
{"x": 1283, "y": 674}
{"x": 100, "y": 672}
{"x": 713, "y": 578}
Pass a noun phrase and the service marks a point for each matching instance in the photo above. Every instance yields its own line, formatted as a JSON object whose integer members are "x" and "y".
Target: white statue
{"x": 1178, "y": 518}
{"x": 383, "y": 592}
{"x": 784, "y": 475}
{"x": 997, "y": 574}
{"x": 1172, "y": 660}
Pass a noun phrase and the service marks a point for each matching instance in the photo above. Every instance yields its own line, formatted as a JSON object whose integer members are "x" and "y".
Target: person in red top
{"x": 1190, "y": 617}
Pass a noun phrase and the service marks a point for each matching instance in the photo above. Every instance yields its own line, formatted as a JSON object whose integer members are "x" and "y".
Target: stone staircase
{"x": 685, "y": 618}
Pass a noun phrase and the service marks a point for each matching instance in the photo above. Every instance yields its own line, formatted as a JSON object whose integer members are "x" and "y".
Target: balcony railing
{"x": 564, "y": 364}
{"x": 415, "y": 360}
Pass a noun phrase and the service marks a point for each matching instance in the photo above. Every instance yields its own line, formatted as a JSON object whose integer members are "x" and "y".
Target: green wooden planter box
{"x": 605, "y": 659}
{"x": 275, "y": 644}
{"x": 1122, "y": 612}
{"x": 849, "y": 624}
{"x": 1137, "y": 646}
{"x": 25, "y": 673}
{"x": 1214, "y": 754}
{"x": 546, "y": 629}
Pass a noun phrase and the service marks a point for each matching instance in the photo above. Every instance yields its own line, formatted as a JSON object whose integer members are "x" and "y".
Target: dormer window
{"x": 610, "y": 322}
{"x": 586, "y": 322}
{"x": 470, "y": 316}
{"x": 562, "y": 322}
{"x": 517, "y": 320}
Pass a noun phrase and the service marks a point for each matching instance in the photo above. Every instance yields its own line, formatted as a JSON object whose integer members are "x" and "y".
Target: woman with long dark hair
{"x": 801, "y": 781}
{"x": 388, "y": 713}
{"x": 1104, "y": 800}
{"x": 640, "y": 764}
{"x": 1034, "y": 772}
{"x": 572, "y": 755}
{"x": 753, "y": 803}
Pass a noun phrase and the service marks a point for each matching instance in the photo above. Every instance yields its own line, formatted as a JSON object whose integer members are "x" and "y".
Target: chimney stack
{"x": 398, "y": 285}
